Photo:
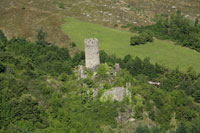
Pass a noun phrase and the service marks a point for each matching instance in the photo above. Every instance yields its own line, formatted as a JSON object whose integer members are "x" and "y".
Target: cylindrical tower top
{"x": 91, "y": 42}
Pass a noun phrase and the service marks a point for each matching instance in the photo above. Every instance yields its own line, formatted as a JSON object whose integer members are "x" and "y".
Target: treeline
{"x": 47, "y": 58}
{"x": 176, "y": 28}
{"x": 135, "y": 66}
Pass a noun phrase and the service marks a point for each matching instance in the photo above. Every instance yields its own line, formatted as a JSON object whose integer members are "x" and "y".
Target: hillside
{"x": 117, "y": 42}
{"x": 24, "y": 18}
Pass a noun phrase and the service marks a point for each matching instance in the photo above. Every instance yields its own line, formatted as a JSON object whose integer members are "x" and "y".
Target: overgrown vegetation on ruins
{"x": 40, "y": 92}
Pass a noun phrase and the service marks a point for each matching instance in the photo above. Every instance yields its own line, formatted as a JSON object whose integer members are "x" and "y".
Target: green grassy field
{"x": 117, "y": 42}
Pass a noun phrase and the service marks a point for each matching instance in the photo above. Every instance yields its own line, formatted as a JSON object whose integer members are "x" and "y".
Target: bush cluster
{"x": 141, "y": 39}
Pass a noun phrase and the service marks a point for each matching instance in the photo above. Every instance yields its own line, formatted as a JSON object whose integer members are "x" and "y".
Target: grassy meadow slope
{"x": 117, "y": 42}
{"x": 25, "y": 17}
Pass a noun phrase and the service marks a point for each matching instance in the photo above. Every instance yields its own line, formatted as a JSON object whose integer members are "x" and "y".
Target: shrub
{"x": 107, "y": 85}
{"x": 141, "y": 39}
{"x": 61, "y": 5}
{"x": 2, "y": 68}
{"x": 2, "y": 36}
{"x": 72, "y": 44}
{"x": 101, "y": 71}
{"x": 103, "y": 56}
{"x": 142, "y": 129}
{"x": 136, "y": 40}
{"x": 124, "y": 26}
{"x": 116, "y": 25}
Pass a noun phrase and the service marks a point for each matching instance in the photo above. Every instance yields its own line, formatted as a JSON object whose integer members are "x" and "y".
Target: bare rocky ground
{"x": 25, "y": 17}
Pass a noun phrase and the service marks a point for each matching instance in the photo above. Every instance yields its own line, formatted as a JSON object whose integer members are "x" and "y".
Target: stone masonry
{"x": 117, "y": 93}
{"x": 92, "y": 54}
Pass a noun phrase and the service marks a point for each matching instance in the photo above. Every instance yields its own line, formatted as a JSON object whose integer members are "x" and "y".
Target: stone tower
{"x": 92, "y": 53}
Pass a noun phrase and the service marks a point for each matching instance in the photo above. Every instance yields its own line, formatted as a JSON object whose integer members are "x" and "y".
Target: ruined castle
{"x": 92, "y": 53}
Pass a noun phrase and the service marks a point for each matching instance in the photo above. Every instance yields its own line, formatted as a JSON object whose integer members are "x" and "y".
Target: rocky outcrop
{"x": 117, "y": 93}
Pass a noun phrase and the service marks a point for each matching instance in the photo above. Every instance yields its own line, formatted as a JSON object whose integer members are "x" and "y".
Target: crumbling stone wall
{"x": 116, "y": 93}
{"x": 92, "y": 53}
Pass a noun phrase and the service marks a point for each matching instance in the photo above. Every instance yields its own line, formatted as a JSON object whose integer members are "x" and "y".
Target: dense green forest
{"x": 40, "y": 91}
